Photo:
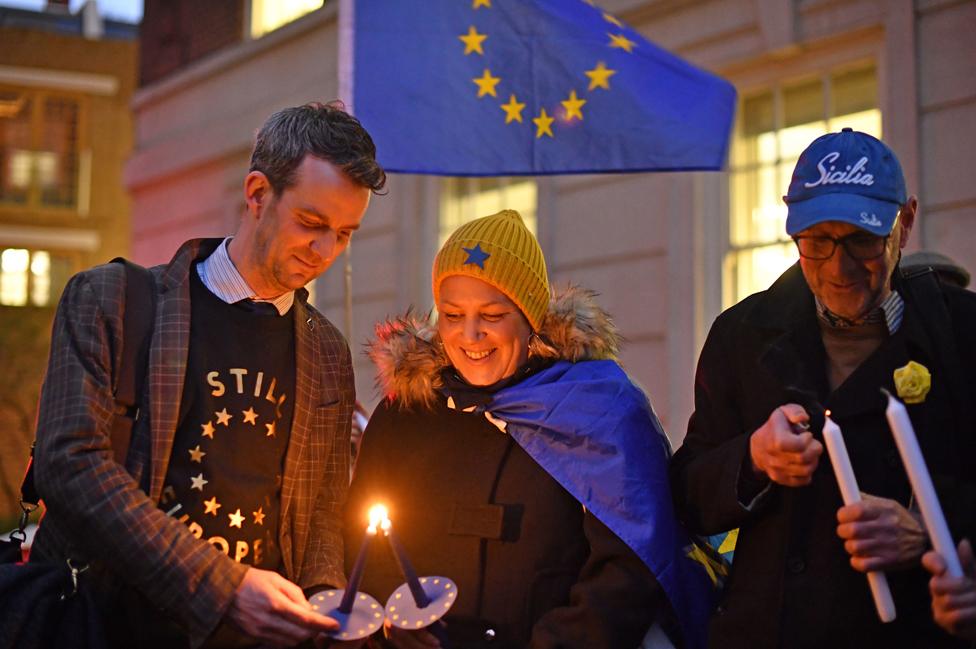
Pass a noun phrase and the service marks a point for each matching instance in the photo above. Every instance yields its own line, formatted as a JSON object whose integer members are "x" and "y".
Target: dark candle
{"x": 419, "y": 596}
{"x": 357, "y": 573}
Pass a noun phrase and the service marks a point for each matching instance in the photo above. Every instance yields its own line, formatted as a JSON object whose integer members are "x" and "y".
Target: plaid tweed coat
{"x": 96, "y": 509}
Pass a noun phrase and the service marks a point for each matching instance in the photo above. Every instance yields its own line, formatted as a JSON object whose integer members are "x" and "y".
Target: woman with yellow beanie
{"x": 518, "y": 459}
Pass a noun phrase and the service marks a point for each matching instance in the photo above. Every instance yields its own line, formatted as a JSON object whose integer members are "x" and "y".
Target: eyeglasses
{"x": 858, "y": 245}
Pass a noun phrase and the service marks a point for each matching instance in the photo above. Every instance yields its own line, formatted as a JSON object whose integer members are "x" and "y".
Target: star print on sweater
{"x": 225, "y": 471}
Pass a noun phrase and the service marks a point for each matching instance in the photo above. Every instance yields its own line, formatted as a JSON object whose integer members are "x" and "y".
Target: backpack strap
{"x": 137, "y": 327}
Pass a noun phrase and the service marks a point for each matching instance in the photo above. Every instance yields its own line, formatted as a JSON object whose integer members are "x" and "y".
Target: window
{"x": 465, "y": 199}
{"x": 773, "y": 128}
{"x": 39, "y": 149}
{"x": 269, "y": 15}
{"x": 33, "y": 277}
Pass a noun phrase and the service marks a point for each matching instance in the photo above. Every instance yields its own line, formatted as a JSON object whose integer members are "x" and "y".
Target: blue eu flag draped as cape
{"x": 594, "y": 431}
{"x": 529, "y": 87}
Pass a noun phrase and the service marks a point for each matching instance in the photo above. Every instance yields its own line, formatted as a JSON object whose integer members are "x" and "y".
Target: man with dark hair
{"x": 832, "y": 331}
{"x": 228, "y": 503}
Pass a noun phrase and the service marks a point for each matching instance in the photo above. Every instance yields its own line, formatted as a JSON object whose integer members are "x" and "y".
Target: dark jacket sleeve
{"x": 89, "y": 496}
{"x": 613, "y": 603}
{"x": 711, "y": 492}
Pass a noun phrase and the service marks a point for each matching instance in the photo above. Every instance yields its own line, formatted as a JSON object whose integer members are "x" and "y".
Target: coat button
{"x": 489, "y": 635}
{"x": 796, "y": 565}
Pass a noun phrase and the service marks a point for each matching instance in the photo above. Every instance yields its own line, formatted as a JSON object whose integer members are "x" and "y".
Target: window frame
{"x": 74, "y": 258}
{"x": 249, "y": 20}
{"x": 82, "y": 181}
{"x": 783, "y": 78}
{"x": 468, "y": 186}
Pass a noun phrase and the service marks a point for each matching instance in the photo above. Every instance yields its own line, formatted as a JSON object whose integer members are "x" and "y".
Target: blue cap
{"x": 848, "y": 176}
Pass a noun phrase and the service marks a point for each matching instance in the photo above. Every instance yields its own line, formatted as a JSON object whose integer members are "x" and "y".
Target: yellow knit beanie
{"x": 499, "y": 250}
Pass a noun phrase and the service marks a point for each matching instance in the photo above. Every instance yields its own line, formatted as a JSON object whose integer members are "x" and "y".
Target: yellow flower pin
{"x": 913, "y": 382}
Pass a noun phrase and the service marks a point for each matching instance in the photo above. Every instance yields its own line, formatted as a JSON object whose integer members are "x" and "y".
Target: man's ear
{"x": 257, "y": 192}
{"x": 906, "y": 220}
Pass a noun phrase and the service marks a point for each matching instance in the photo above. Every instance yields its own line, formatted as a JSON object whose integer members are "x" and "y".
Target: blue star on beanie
{"x": 476, "y": 256}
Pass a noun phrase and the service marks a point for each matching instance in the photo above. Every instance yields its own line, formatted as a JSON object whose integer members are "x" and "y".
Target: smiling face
{"x": 485, "y": 335}
{"x": 288, "y": 240}
{"x": 850, "y": 287}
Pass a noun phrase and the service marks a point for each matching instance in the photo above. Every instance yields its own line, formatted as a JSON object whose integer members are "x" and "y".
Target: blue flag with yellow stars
{"x": 529, "y": 87}
{"x": 596, "y": 434}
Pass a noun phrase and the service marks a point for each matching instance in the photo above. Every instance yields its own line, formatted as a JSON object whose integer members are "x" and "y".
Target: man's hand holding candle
{"x": 272, "y": 609}
{"x": 782, "y": 450}
{"x": 953, "y": 598}
{"x": 880, "y": 534}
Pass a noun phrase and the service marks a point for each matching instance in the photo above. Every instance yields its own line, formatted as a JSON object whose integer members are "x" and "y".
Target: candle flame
{"x": 377, "y": 518}
{"x": 826, "y": 413}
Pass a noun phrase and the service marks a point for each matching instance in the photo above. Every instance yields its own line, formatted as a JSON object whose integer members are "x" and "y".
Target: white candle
{"x": 918, "y": 475}
{"x": 851, "y": 494}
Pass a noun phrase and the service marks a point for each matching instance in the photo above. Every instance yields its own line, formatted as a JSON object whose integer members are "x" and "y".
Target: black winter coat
{"x": 470, "y": 504}
{"x": 791, "y": 583}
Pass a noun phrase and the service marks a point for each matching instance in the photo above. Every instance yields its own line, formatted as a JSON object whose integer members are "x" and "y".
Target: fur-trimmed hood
{"x": 409, "y": 356}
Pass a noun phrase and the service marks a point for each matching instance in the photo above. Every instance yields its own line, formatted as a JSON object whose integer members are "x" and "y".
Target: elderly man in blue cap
{"x": 832, "y": 331}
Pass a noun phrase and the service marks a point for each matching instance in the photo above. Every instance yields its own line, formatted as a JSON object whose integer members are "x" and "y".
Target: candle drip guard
{"x": 364, "y": 618}
{"x": 404, "y": 612}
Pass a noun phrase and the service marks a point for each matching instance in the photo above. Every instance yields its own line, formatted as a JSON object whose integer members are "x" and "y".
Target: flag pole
{"x": 345, "y": 70}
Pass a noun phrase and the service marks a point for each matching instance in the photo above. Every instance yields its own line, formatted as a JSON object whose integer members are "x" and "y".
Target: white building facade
{"x": 667, "y": 252}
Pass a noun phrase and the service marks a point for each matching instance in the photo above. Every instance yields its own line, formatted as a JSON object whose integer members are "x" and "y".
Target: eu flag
{"x": 596, "y": 434}
{"x": 513, "y": 87}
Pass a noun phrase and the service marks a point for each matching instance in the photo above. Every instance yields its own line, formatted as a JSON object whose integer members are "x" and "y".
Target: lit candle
{"x": 851, "y": 494}
{"x": 918, "y": 475}
{"x": 409, "y": 574}
{"x": 376, "y": 516}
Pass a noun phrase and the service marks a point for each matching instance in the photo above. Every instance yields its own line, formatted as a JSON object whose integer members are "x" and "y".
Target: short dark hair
{"x": 325, "y": 131}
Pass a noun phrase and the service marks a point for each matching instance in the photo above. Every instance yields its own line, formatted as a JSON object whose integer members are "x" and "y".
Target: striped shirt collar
{"x": 890, "y": 311}
{"x": 219, "y": 274}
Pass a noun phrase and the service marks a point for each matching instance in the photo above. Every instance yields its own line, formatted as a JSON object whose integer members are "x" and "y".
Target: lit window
{"x": 39, "y": 149}
{"x": 13, "y": 276}
{"x": 269, "y": 15}
{"x": 34, "y": 277}
{"x": 465, "y": 199}
{"x": 773, "y": 128}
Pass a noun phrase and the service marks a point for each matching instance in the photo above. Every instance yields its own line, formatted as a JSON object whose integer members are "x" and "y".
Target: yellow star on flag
{"x": 622, "y": 42}
{"x": 610, "y": 18}
{"x": 208, "y": 430}
{"x": 543, "y": 124}
{"x": 196, "y": 455}
{"x": 712, "y": 567}
{"x": 236, "y": 519}
{"x": 600, "y": 76}
{"x": 513, "y": 110}
{"x": 197, "y": 482}
{"x": 486, "y": 84}
{"x": 211, "y": 506}
{"x": 259, "y": 516}
{"x": 728, "y": 543}
{"x": 572, "y": 106}
{"x": 224, "y": 417}
{"x": 250, "y": 417}
{"x": 271, "y": 429}
{"x": 472, "y": 41}
{"x": 481, "y": 3}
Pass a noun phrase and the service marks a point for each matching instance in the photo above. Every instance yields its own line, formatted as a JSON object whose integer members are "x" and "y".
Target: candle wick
{"x": 886, "y": 393}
